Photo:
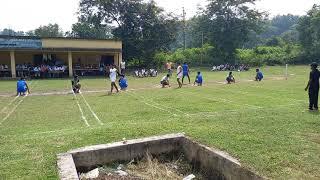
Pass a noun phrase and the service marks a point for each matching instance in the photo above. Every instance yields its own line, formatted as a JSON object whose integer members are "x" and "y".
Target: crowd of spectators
{"x": 145, "y": 73}
{"x": 229, "y": 67}
{"x": 41, "y": 71}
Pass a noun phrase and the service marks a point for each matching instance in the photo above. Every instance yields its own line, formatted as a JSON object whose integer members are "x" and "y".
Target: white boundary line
{"x": 12, "y": 101}
{"x": 151, "y": 105}
{"x": 93, "y": 113}
{"x": 6, "y": 107}
{"x": 13, "y": 109}
{"x": 81, "y": 111}
{"x": 167, "y": 107}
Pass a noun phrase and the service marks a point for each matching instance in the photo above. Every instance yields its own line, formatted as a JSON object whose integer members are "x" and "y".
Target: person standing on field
{"x": 113, "y": 78}
{"x": 123, "y": 67}
{"x": 313, "y": 87}
{"x": 179, "y": 75}
{"x": 169, "y": 67}
{"x": 186, "y": 70}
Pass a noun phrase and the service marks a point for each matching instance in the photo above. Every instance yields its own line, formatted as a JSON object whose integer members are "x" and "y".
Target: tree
{"x": 143, "y": 27}
{"x": 231, "y": 24}
{"x": 90, "y": 31}
{"x": 50, "y": 30}
{"x": 11, "y": 32}
{"x": 309, "y": 32}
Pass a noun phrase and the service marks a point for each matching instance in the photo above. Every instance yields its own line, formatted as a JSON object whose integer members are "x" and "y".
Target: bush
{"x": 193, "y": 56}
{"x": 266, "y": 55}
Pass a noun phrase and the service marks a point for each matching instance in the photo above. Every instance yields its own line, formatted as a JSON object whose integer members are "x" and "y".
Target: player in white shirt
{"x": 165, "y": 81}
{"x": 123, "y": 67}
{"x": 179, "y": 75}
{"x": 113, "y": 78}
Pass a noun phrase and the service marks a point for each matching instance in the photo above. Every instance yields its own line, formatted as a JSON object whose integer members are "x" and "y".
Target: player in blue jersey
{"x": 22, "y": 87}
{"x": 185, "y": 69}
{"x": 259, "y": 75}
{"x": 198, "y": 80}
{"x": 123, "y": 83}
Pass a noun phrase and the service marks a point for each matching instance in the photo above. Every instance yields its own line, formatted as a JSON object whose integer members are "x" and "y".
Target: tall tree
{"x": 232, "y": 21}
{"x": 50, "y": 30}
{"x": 309, "y": 32}
{"x": 143, "y": 27}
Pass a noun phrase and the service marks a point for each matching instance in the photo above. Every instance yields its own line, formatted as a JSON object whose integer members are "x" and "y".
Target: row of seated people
{"x": 145, "y": 73}
{"x": 4, "y": 67}
{"x": 87, "y": 66}
{"x": 229, "y": 67}
{"x": 41, "y": 71}
{"x": 5, "y": 70}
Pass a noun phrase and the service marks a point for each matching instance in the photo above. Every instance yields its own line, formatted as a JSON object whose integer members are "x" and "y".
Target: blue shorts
{"x": 22, "y": 90}
{"x": 185, "y": 73}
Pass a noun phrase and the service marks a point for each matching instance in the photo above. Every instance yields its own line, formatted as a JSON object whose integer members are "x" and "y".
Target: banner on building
{"x": 13, "y": 43}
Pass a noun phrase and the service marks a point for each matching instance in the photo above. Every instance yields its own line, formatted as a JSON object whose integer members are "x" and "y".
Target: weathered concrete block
{"x": 215, "y": 163}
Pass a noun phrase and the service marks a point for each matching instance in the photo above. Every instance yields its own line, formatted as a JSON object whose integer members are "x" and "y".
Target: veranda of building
{"x": 78, "y": 55}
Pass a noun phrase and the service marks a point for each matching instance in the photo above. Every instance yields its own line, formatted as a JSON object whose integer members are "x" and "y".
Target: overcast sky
{"x": 29, "y": 14}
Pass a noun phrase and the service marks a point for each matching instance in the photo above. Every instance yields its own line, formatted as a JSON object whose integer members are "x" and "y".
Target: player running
{"x": 113, "y": 78}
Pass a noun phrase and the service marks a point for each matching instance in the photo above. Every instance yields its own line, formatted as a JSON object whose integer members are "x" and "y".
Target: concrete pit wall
{"x": 215, "y": 163}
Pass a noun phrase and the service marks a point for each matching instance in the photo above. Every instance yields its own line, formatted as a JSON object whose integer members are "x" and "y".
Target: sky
{"x": 25, "y": 15}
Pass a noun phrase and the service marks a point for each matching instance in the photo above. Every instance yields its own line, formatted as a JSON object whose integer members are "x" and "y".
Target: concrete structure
{"x": 68, "y": 51}
{"x": 216, "y": 164}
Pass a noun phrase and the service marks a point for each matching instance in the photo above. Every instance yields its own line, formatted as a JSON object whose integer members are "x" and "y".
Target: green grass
{"x": 265, "y": 125}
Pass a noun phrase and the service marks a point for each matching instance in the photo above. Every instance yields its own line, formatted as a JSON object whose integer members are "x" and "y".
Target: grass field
{"x": 265, "y": 125}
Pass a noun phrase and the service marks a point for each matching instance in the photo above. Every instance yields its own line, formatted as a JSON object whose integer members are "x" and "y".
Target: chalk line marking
{"x": 11, "y": 102}
{"x": 81, "y": 111}
{"x": 6, "y": 107}
{"x": 167, "y": 107}
{"x": 93, "y": 113}
{"x": 151, "y": 105}
{"x": 12, "y": 111}
{"x": 224, "y": 101}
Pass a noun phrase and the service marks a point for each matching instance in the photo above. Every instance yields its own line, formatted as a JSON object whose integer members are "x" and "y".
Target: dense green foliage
{"x": 50, "y": 30}
{"x": 143, "y": 27}
{"x": 309, "y": 29}
{"x": 268, "y": 55}
{"x": 193, "y": 56}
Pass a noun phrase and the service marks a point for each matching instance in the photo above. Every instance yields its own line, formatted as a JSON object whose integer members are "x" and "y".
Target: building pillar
{"x": 70, "y": 64}
{"x": 120, "y": 58}
{"x": 13, "y": 64}
{"x": 116, "y": 60}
